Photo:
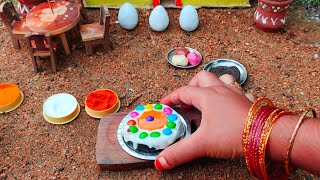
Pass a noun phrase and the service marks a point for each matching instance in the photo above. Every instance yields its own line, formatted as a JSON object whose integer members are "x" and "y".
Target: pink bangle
{"x": 256, "y": 106}
{"x": 257, "y": 138}
{"x": 255, "y": 133}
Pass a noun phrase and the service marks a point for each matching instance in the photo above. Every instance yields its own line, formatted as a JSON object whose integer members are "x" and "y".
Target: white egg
{"x": 189, "y": 19}
{"x": 159, "y": 19}
{"x": 128, "y": 16}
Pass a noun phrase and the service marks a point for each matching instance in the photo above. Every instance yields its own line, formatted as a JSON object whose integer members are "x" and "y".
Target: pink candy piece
{"x": 134, "y": 114}
{"x": 167, "y": 111}
{"x": 193, "y": 58}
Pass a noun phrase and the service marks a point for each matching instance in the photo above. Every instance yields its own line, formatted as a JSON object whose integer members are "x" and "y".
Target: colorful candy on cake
{"x": 151, "y": 128}
{"x": 183, "y": 57}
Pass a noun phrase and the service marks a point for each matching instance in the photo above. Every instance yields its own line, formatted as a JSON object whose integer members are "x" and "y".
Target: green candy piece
{"x": 171, "y": 125}
{"x": 158, "y": 106}
{"x": 155, "y": 134}
{"x": 133, "y": 129}
{"x": 143, "y": 135}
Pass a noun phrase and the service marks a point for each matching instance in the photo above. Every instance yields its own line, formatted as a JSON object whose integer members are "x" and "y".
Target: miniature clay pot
{"x": 31, "y": 2}
{"x": 271, "y": 15}
{"x": 25, "y": 6}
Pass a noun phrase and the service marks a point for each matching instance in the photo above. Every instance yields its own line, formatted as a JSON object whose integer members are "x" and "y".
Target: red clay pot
{"x": 270, "y": 15}
{"x": 25, "y": 6}
{"x": 31, "y": 2}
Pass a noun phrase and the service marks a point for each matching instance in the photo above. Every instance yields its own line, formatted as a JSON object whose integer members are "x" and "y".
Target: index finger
{"x": 188, "y": 95}
{"x": 205, "y": 79}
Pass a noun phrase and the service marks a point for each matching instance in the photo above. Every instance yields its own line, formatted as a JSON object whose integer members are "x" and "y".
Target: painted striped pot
{"x": 270, "y": 15}
{"x": 24, "y": 6}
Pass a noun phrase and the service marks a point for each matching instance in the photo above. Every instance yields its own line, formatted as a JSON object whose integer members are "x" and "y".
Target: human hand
{"x": 224, "y": 108}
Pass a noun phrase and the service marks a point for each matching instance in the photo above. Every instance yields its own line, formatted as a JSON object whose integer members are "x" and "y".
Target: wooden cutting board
{"x": 109, "y": 153}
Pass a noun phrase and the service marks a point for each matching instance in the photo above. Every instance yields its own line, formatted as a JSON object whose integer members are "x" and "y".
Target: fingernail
{"x": 161, "y": 164}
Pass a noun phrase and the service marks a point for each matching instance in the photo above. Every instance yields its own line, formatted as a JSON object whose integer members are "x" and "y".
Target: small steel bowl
{"x": 171, "y": 53}
{"x": 228, "y": 63}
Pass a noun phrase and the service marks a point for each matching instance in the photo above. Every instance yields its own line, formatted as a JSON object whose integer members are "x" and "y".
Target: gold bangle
{"x": 248, "y": 124}
{"x": 249, "y": 120}
{"x": 302, "y": 117}
{"x": 265, "y": 137}
{"x": 257, "y": 155}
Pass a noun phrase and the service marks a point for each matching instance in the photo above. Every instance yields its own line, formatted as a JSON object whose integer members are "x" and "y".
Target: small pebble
{"x": 65, "y": 151}
{"x": 287, "y": 74}
{"x": 60, "y": 169}
{"x": 258, "y": 89}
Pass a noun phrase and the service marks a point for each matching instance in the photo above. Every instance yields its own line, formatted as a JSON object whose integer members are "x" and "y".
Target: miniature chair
{"x": 16, "y": 27}
{"x": 97, "y": 33}
{"x": 41, "y": 45}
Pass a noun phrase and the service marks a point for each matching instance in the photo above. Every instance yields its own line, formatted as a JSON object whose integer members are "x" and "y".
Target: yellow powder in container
{"x": 8, "y": 93}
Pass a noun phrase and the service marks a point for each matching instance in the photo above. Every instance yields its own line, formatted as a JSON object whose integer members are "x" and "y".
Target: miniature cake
{"x": 151, "y": 128}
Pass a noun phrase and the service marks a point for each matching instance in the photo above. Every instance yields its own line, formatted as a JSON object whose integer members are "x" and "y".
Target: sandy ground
{"x": 283, "y": 66}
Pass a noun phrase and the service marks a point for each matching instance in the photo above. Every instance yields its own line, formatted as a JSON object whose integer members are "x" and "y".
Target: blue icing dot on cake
{"x": 167, "y": 131}
{"x": 172, "y": 117}
{"x": 140, "y": 108}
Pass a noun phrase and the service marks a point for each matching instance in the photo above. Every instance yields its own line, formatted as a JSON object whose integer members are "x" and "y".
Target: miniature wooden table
{"x": 65, "y": 16}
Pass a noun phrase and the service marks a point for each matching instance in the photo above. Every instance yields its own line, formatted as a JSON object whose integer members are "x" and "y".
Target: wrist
{"x": 305, "y": 149}
{"x": 280, "y": 136}
{"x": 274, "y": 138}
{"x": 259, "y": 123}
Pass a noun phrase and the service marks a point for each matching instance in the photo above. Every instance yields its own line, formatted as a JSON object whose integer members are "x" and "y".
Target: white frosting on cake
{"x": 159, "y": 142}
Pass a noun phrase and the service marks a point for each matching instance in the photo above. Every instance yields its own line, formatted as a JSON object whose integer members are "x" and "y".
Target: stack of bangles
{"x": 261, "y": 118}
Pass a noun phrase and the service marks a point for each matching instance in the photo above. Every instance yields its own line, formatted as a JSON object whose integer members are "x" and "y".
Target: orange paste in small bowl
{"x": 100, "y": 100}
{"x": 8, "y": 93}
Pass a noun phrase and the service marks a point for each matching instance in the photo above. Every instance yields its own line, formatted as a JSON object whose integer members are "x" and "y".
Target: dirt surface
{"x": 283, "y": 66}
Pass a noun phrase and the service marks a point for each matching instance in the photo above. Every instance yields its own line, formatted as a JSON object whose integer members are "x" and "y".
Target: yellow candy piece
{"x": 149, "y": 106}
